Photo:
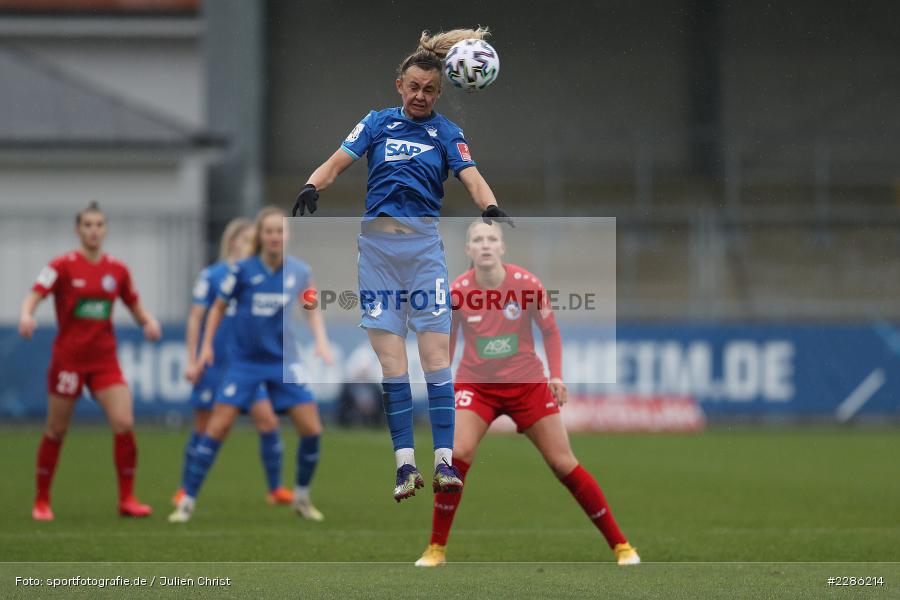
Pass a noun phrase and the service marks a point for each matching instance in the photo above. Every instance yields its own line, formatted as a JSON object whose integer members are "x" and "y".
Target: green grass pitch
{"x": 727, "y": 513}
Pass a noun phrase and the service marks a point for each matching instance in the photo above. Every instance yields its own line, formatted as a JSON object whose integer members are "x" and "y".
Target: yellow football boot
{"x": 626, "y": 555}
{"x": 435, "y": 555}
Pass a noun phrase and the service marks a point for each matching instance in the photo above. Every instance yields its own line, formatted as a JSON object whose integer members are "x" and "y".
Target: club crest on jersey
{"x": 512, "y": 311}
{"x": 432, "y": 131}
{"x": 289, "y": 281}
{"x": 403, "y": 150}
{"x": 109, "y": 283}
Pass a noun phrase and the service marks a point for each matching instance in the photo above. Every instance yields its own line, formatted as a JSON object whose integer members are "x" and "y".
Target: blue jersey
{"x": 262, "y": 332}
{"x": 206, "y": 289}
{"x": 408, "y": 161}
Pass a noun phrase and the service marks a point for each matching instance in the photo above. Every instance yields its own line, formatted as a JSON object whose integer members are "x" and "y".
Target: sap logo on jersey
{"x": 403, "y": 150}
{"x": 267, "y": 305}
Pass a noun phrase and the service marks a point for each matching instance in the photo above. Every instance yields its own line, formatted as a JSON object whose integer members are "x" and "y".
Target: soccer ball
{"x": 472, "y": 65}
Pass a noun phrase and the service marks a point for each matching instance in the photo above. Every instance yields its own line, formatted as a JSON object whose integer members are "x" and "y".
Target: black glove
{"x": 307, "y": 198}
{"x": 493, "y": 213}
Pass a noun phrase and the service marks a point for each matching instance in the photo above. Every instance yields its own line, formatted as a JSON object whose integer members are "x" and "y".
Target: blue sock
{"x": 189, "y": 449}
{"x": 307, "y": 459}
{"x": 270, "y": 451}
{"x": 398, "y": 408}
{"x": 204, "y": 456}
{"x": 441, "y": 408}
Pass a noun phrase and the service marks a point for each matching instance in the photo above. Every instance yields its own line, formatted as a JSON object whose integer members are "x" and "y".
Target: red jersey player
{"x": 85, "y": 284}
{"x": 495, "y": 305}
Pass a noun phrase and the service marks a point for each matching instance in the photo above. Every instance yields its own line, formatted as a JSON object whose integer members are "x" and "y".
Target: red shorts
{"x": 66, "y": 381}
{"x": 525, "y": 403}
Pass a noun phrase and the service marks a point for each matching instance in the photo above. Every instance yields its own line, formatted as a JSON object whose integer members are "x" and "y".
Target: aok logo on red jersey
{"x": 96, "y": 310}
{"x": 498, "y": 346}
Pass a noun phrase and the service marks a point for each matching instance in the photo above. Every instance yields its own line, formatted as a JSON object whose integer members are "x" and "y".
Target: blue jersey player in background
{"x": 234, "y": 245}
{"x": 403, "y": 277}
{"x": 264, "y": 288}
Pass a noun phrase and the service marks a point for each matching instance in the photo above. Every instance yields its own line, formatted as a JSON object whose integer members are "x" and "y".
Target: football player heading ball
{"x": 410, "y": 150}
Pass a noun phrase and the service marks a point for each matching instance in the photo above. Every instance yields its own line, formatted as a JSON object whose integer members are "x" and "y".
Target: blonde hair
{"x": 481, "y": 222}
{"x": 262, "y": 215}
{"x": 434, "y": 48}
{"x": 234, "y": 229}
{"x": 93, "y": 207}
{"x": 441, "y": 42}
{"x": 495, "y": 226}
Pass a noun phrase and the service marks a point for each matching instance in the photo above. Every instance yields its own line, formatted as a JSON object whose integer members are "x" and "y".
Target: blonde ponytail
{"x": 434, "y": 48}
{"x": 440, "y": 43}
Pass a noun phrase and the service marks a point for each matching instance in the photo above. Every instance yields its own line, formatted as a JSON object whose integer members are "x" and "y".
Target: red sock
{"x": 445, "y": 506}
{"x": 125, "y": 450}
{"x": 47, "y": 457}
{"x": 584, "y": 487}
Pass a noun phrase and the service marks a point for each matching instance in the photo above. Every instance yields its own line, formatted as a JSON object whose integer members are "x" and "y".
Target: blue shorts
{"x": 242, "y": 383}
{"x": 403, "y": 282}
{"x": 204, "y": 391}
